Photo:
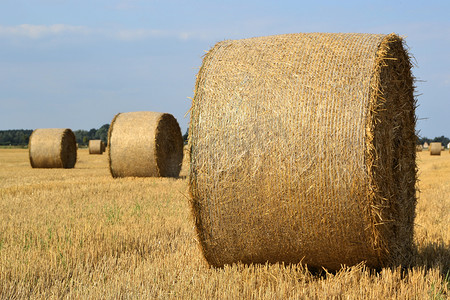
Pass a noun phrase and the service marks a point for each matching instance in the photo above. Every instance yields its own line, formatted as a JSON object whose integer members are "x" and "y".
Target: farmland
{"x": 79, "y": 233}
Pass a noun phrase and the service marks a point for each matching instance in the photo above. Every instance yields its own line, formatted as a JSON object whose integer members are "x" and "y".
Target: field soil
{"x": 79, "y": 233}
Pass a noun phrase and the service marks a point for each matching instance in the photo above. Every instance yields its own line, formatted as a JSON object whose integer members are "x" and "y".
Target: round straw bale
{"x": 419, "y": 148}
{"x": 52, "y": 148}
{"x": 435, "y": 148}
{"x": 145, "y": 144}
{"x": 96, "y": 147}
{"x": 261, "y": 189}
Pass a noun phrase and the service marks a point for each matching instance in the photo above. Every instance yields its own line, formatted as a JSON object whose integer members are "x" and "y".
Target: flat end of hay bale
{"x": 391, "y": 153}
{"x": 169, "y": 146}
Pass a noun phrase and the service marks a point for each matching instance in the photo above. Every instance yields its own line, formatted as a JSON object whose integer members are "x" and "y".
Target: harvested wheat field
{"x": 79, "y": 233}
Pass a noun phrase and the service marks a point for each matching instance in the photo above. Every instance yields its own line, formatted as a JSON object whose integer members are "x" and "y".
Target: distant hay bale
{"x": 52, "y": 148}
{"x": 145, "y": 144}
{"x": 96, "y": 147}
{"x": 425, "y": 145}
{"x": 419, "y": 148}
{"x": 261, "y": 189}
{"x": 435, "y": 148}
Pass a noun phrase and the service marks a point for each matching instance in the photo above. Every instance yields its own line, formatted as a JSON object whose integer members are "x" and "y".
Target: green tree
{"x": 102, "y": 133}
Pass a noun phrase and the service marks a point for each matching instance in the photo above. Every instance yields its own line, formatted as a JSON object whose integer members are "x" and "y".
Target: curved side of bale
{"x": 145, "y": 144}
{"x": 261, "y": 192}
{"x": 52, "y": 148}
{"x": 96, "y": 147}
{"x": 435, "y": 148}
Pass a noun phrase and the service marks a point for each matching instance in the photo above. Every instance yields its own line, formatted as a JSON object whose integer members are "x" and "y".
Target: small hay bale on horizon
{"x": 260, "y": 189}
{"x": 52, "y": 148}
{"x": 435, "y": 148}
{"x": 96, "y": 147}
{"x": 145, "y": 144}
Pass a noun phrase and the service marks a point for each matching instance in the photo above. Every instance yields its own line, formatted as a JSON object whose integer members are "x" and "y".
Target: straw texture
{"x": 52, "y": 148}
{"x": 96, "y": 147}
{"x": 269, "y": 178}
{"x": 435, "y": 148}
{"x": 145, "y": 144}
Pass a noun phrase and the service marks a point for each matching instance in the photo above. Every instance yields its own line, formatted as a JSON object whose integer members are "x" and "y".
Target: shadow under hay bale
{"x": 96, "y": 147}
{"x": 435, "y": 148}
{"x": 145, "y": 144}
{"x": 52, "y": 148}
{"x": 261, "y": 188}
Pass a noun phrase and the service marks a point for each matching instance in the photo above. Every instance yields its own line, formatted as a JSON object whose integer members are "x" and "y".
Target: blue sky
{"x": 77, "y": 63}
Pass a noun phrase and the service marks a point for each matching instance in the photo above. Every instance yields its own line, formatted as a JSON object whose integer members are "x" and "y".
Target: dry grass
{"x": 78, "y": 233}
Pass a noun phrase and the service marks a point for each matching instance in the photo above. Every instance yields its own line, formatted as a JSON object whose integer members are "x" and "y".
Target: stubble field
{"x": 79, "y": 233}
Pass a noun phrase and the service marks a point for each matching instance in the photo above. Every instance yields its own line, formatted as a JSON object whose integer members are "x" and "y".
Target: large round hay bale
{"x": 145, "y": 144}
{"x": 52, "y": 148}
{"x": 262, "y": 188}
{"x": 435, "y": 148}
{"x": 96, "y": 147}
{"x": 419, "y": 148}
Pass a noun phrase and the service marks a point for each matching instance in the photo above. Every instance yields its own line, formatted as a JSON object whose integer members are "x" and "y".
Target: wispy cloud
{"x": 137, "y": 34}
{"x": 143, "y": 34}
{"x": 40, "y": 31}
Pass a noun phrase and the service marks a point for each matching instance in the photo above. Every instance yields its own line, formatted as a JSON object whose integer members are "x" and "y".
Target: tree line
{"x": 440, "y": 139}
{"x": 21, "y": 137}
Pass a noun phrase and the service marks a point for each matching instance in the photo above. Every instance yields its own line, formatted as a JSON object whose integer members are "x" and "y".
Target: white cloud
{"x": 143, "y": 34}
{"x": 39, "y": 31}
